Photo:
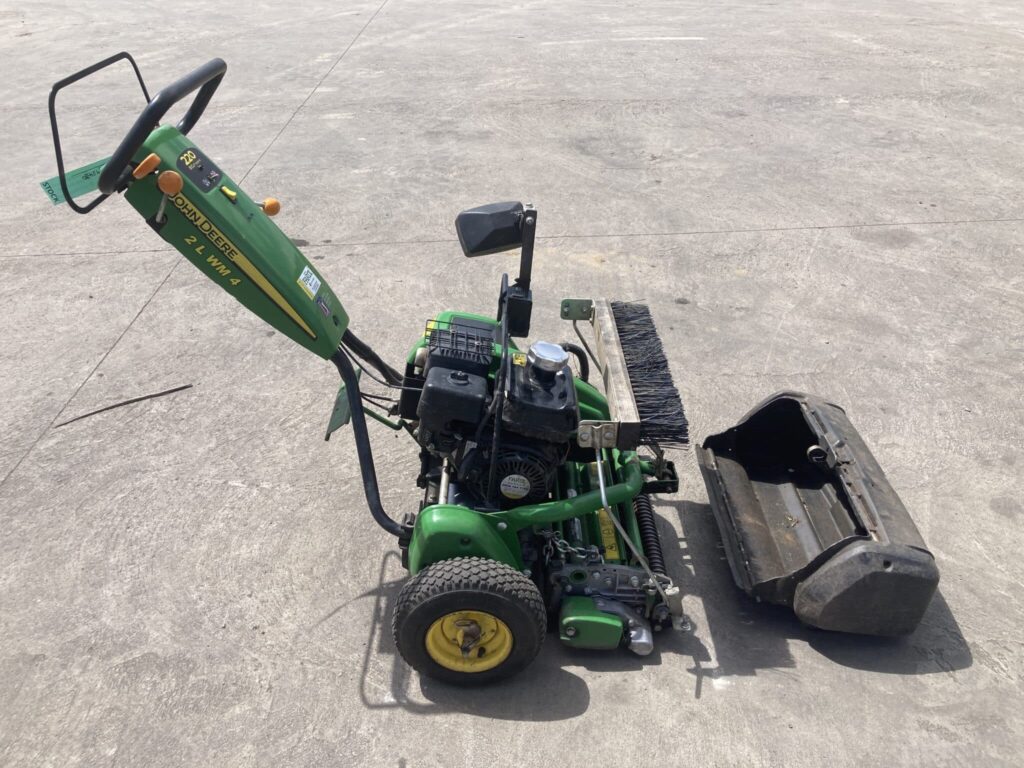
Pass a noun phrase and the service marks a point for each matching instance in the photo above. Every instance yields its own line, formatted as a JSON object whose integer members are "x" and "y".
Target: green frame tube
{"x": 445, "y": 531}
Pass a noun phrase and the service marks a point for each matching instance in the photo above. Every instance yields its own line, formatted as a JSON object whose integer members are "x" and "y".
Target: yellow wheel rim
{"x": 469, "y": 641}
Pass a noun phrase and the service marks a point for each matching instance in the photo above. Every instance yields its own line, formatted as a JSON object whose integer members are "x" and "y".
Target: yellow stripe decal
{"x": 611, "y": 544}
{"x": 225, "y": 246}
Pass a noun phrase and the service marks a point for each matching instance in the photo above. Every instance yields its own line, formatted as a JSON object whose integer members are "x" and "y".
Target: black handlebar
{"x": 206, "y": 78}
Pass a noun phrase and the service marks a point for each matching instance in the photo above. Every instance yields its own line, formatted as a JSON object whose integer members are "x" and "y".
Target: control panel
{"x": 199, "y": 169}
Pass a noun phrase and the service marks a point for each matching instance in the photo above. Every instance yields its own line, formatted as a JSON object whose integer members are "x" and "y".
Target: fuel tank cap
{"x": 547, "y": 357}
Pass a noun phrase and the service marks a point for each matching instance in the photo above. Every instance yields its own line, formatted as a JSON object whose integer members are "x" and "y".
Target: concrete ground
{"x": 814, "y": 195}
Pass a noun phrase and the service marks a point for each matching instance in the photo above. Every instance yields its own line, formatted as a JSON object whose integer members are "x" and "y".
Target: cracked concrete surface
{"x": 810, "y": 195}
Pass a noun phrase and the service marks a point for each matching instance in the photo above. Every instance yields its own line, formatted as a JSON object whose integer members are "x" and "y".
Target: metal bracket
{"x": 577, "y": 309}
{"x": 597, "y": 434}
{"x": 665, "y": 479}
{"x": 624, "y": 423}
{"x": 618, "y": 390}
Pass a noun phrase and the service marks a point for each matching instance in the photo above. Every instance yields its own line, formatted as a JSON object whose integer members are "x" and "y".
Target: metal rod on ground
{"x": 139, "y": 399}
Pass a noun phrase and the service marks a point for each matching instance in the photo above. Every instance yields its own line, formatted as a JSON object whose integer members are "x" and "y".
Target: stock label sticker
{"x": 309, "y": 282}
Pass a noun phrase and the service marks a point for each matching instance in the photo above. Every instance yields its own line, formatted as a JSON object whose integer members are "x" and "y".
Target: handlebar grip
{"x": 206, "y": 78}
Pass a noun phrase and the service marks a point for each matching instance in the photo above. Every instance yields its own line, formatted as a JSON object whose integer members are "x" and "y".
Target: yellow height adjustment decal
{"x": 611, "y": 544}
{"x": 235, "y": 256}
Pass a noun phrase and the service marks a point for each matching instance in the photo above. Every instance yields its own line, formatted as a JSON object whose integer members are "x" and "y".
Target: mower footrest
{"x": 810, "y": 521}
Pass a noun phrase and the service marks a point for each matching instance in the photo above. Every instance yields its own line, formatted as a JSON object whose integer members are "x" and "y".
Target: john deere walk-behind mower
{"x": 536, "y": 509}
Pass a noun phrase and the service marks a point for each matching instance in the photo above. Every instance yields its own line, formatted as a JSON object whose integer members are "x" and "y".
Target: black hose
{"x": 500, "y": 380}
{"x": 581, "y": 358}
{"x": 492, "y": 473}
{"x": 362, "y": 437}
{"x": 649, "y": 539}
{"x": 362, "y": 350}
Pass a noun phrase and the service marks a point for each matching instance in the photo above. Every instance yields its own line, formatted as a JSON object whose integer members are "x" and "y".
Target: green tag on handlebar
{"x": 80, "y": 181}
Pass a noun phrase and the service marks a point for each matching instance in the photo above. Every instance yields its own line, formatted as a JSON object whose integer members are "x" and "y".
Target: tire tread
{"x": 470, "y": 573}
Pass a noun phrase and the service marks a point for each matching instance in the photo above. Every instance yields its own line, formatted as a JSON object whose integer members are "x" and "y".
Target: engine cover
{"x": 541, "y": 405}
{"x": 451, "y": 398}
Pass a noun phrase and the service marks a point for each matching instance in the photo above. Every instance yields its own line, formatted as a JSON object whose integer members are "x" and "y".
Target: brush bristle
{"x": 662, "y": 419}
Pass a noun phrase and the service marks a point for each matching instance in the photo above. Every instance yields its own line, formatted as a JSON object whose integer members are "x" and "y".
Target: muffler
{"x": 809, "y": 520}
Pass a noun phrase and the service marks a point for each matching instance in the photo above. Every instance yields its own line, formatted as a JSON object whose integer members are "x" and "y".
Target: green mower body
{"x": 231, "y": 239}
{"x": 536, "y": 511}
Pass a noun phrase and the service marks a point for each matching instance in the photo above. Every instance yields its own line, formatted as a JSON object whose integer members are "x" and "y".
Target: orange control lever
{"x": 147, "y": 166}
{"x": 170, "y": 182}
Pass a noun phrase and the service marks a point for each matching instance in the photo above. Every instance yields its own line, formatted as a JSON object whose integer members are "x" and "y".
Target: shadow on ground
{"x": 746, "y": 637}
{"x": 749, "y": 636}
{"x": 566, "y": 694}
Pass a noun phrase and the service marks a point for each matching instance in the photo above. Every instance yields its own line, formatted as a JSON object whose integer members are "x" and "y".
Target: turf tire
{"x": 469, "y": 583}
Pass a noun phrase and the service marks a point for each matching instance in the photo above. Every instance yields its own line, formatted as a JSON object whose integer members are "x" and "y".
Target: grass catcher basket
{"x": 810, "y": 521}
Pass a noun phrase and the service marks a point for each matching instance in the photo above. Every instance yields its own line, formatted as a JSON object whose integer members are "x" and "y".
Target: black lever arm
{"x": 57, "y": 87}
